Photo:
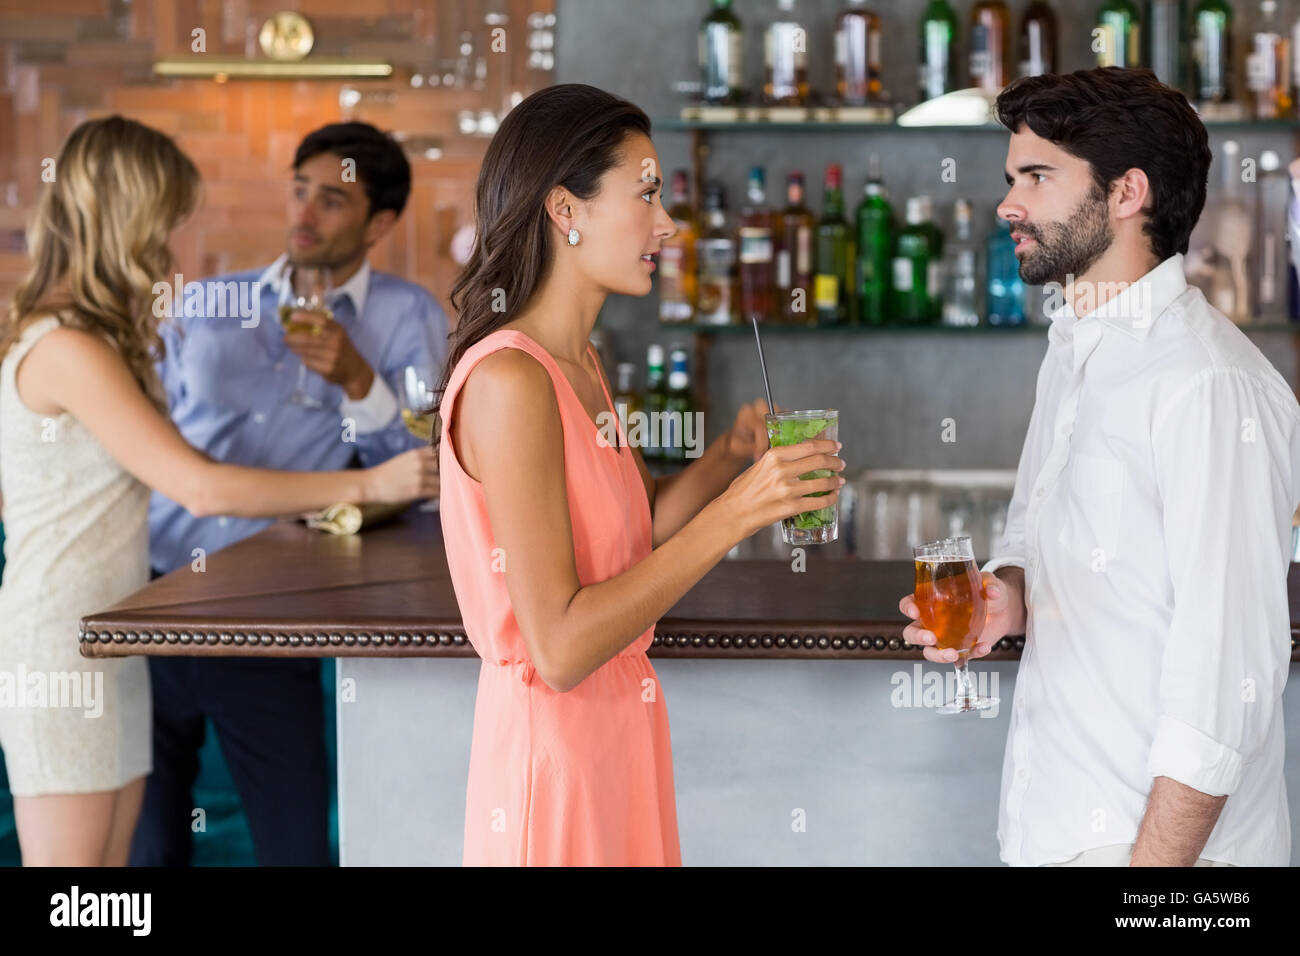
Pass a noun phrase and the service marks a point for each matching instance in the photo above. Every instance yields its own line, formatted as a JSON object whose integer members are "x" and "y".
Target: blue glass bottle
{"x": 1006, "y": 298}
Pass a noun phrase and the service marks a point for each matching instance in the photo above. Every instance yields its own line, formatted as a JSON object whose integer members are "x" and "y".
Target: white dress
{"x": 76, "y": 541}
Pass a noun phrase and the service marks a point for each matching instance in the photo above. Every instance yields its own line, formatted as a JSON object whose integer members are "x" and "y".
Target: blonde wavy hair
{"x": 98, "y": 240}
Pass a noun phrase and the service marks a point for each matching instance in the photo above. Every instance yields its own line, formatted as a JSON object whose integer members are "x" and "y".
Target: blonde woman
{"x": 84, "y": 436}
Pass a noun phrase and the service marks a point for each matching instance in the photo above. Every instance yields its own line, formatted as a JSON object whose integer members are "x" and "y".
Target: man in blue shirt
{"x": 244, "y": 390}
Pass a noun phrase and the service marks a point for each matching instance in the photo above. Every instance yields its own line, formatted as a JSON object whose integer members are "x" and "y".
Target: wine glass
{"x": 313, "y": 286}
{"x": 419, "y": 398}
{"x": 950, "y": 596}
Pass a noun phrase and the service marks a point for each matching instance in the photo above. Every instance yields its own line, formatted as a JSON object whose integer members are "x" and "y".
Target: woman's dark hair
{"x": 1120, "y": 119}
{"x": 566, "y": 135}
{"x": 382, "y": 167}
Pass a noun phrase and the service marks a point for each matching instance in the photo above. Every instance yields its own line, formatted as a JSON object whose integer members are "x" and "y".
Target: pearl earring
{"x": 573, "y": 237}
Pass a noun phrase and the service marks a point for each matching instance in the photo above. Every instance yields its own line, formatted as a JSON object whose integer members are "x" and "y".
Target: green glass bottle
{"x": 678, "y": 406}
{"x": 875, "y": 221}
{"x": 938, "y": 50}
{"x": 918, "y": 250}
{"x": 830, "y": 284}
{"x": 656, "y": 400}
{"x": 1212, "y": 51}
{"x": 1120, "y": 45}
{"x": 720, "y": 55}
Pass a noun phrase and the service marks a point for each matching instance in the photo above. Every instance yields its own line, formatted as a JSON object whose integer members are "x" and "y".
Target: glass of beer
{"x": 953, "y": 606}
{"x": 312, "y": 287}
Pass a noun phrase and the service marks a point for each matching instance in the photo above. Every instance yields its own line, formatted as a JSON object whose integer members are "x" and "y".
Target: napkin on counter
{"x": 345, "y": 518}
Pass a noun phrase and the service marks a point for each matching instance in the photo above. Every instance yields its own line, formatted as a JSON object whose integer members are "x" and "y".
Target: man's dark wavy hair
{"x": 1119, "y": 119}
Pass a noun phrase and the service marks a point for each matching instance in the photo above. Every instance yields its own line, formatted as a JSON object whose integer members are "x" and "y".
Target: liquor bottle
{"x": 961, "y": 305}
{"x": 1269, "y": 266}
{"x": 756, "y": 267}
{"x": 716, "y": 259}
{"x": 857, "y": 55}
{"x": 875, "y": 222}
{"x": 938, "y": 73}
{"x": 656, "y": 400}
{"x": 1006, "y": 299}
{"x": 830, "y": 290}
{"x": 677, "y": 406}
{"x": 1212, "y": 51}
{"x": 677, "y": 257}
{"x": 1164, "y": 38}
{"x": 1038, "y": 40}
{"x": 1268, "y": 66}
{"x": 1233, "y": 223}
{"x": 918, "y": 250}
{"x": 1119, "y": 40}
{"x": 720, "y": 55}
{"x": 785, "y": 57}
{"x": 627, "y": 403}
{"x": 990, "y": 45}
{"x": 794, "y": 256}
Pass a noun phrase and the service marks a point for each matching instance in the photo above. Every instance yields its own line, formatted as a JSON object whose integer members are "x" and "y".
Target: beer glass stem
{"x": 965, "y": 686}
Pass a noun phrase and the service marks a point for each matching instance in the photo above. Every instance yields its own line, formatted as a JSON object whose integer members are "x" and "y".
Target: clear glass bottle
{"x": 1268, "y": 65}
{"x": 627, "y": 401}
{"x": 716, "y": 256}
{"x": 961, "y": 296}
{"x": 1269, "y": 264}
{"x": 785, "y": 57}
{"x": 677, "y": 290}
{"x": 857, "y": 55}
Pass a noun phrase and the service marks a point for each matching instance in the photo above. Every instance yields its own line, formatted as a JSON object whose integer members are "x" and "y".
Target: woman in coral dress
{"x": 563, "y": 551}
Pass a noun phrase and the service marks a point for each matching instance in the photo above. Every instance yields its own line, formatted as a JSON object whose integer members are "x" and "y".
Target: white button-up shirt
{"x": 1152, "y": 515}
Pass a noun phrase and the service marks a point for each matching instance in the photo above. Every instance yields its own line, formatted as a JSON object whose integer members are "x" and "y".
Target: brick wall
{"x": 63, "y": 61}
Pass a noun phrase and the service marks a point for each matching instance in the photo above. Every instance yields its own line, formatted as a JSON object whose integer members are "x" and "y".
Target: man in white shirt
{"x": 1149, "y": 535}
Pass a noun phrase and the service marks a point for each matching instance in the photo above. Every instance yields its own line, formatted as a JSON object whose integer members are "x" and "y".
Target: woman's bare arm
{"x": 78, "y": 372}
{"x": 508, "y": 435}
{"x": 679, "y": 497}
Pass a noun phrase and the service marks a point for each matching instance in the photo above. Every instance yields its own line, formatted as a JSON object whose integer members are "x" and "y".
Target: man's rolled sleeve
{"x": 376, "y": 410}
{"x": 1225, "y": 455}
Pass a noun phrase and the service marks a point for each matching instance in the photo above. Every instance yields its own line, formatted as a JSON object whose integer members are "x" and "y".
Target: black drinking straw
{"x": 763, "y": 365}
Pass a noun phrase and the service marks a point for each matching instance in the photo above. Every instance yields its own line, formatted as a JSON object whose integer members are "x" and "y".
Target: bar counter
{"x": 845, "y": 742}
{"x": 292, "y": 591}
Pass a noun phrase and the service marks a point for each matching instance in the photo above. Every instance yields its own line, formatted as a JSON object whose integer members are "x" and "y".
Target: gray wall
{"x": 893, "y": 388}
{"x": 753, "y": 741}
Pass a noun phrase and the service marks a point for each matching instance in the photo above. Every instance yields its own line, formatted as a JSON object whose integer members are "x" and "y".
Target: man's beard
{"x": 1070, "y": 247}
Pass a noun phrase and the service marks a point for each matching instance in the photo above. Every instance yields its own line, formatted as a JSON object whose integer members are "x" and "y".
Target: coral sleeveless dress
{"x": 583, "y": 778}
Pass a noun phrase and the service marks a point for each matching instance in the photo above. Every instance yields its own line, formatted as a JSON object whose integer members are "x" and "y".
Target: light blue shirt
{"x": 229, "y": 380}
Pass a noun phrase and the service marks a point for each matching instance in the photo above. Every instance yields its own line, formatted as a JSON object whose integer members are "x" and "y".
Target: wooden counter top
{"x": 293, "y": 592}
